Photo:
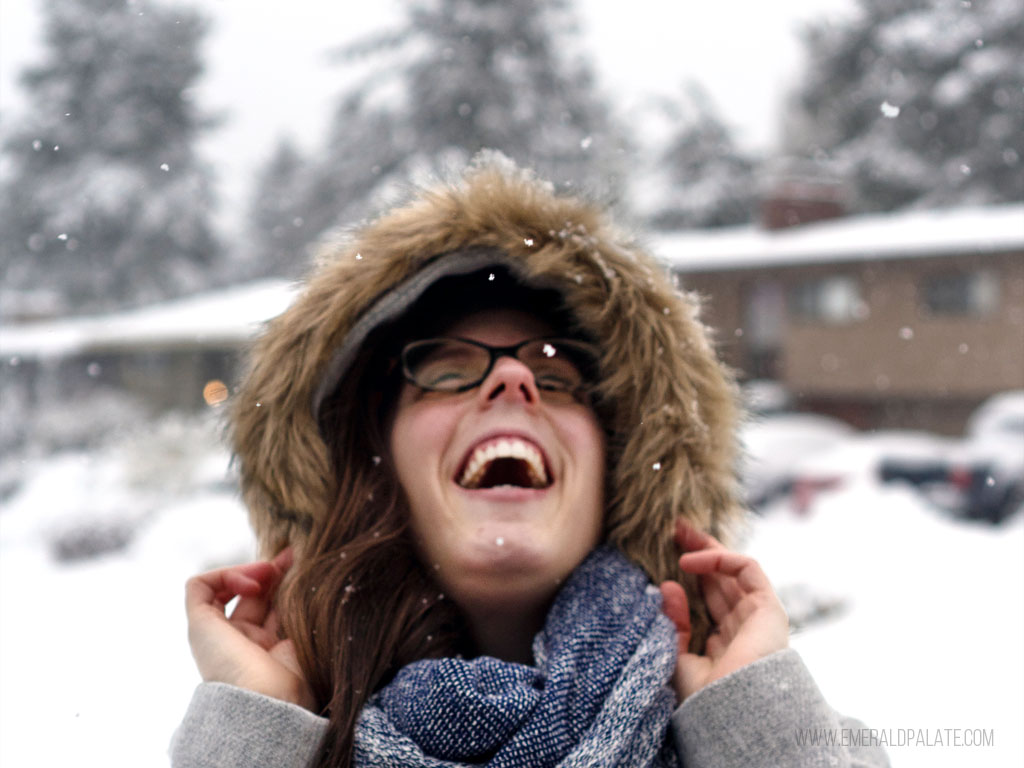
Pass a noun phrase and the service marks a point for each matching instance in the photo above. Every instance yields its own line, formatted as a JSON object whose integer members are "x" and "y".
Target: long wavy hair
{"x": 359, "y": 603}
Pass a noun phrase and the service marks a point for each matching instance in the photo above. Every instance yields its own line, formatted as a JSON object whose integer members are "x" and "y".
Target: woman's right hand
{"x": 244, "y": 649}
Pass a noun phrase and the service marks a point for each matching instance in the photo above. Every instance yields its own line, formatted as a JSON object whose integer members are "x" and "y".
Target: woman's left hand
{"x": 750, "y": 622}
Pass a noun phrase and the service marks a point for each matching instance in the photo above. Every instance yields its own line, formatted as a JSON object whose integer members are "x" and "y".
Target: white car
{"x": 980, "y": 476}
{"x": 774, "y": 445}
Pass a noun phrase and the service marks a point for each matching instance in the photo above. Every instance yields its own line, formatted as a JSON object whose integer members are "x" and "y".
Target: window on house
{"x": 835, "y": 299}
{"x": 971, "y": 293}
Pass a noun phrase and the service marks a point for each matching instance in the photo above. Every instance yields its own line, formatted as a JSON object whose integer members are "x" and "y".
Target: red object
{"x": 960, "y": 477}
{"x": 805, "y": 489}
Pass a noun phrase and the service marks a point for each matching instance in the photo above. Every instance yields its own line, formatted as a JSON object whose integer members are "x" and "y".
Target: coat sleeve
{"x": 769, "y": 713}
{"x": 229, "y": 727}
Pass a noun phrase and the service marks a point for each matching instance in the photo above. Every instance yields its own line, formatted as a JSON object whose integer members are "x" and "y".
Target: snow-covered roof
{"x": 230, "y": 316}
{"x": 913, "y": 234}
{"x": 233, "y": 315}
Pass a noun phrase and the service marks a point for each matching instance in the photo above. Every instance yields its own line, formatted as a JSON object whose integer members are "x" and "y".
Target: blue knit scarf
{"x": 597, "y": 695}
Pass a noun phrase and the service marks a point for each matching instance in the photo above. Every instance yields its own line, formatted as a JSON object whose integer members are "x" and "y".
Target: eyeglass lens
{"x": 453, "y": 364}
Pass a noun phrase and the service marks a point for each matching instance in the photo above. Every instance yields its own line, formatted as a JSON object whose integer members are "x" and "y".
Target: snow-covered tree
{"x": 456, "y": 77}
{"x": 104, "y": 200}
{"x": 278, "y": 230}
{"x": 700, "y": 178}
{"x": 920, "y": 102}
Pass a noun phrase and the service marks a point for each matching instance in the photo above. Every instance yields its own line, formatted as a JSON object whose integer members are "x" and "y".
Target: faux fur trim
{"x": 674, "y": 416}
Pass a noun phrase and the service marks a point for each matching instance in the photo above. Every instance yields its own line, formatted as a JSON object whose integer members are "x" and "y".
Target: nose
{"x": 510, "y": 380}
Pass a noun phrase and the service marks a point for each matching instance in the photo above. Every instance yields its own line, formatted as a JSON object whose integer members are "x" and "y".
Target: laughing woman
{"x": 485, "y": 431}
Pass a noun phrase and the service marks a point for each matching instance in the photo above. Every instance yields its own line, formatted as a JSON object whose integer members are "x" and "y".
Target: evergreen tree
{"x": 459, "y": 76}
{"x": 105, "y": 202}
{"x": 919, "y": 101}
{"x": 277, "y": 227}
{"x": 701, "y": 178}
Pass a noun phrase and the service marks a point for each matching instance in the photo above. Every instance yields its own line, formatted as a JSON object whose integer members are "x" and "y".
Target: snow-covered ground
{"x": 924, "y": 626}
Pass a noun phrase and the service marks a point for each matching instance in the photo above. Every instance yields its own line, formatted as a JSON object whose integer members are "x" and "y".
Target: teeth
{"x": 501, "y": 449}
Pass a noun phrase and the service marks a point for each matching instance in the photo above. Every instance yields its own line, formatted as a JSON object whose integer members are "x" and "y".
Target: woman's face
{"x": 507, "y": 545}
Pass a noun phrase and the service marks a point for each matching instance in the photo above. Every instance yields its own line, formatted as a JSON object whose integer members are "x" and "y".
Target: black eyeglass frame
{"x": 590, "y": 353}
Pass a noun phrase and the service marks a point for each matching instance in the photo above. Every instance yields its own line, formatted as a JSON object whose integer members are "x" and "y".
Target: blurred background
{"x": 841, "y": 180}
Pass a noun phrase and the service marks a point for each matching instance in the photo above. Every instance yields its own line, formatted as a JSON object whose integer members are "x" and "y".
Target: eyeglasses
{"x": 456, "y": 365}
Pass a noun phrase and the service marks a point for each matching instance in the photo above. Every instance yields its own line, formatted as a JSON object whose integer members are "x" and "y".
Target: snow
{"x": 231, "y": 316}
{"x": 926, "y": 628}
{"x": 973, "y": 230}
{"x": 933, "y": 632}
{"x": 1000, "y": 413}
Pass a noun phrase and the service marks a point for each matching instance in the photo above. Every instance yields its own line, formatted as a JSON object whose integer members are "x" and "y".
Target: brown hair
{"x": 358, "y": 604}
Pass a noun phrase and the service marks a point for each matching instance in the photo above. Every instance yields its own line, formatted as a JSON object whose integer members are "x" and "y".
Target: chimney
{"x": 798, "y": 192}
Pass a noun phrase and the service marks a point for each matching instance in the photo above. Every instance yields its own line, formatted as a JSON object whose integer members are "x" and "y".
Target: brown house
{"x": 897, "y": 320}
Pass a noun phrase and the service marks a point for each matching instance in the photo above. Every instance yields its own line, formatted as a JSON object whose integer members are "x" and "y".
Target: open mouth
{"x": 505, "y": 461}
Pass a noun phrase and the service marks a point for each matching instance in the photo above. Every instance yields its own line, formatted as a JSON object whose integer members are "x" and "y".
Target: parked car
{"x": 980, "y": 476}
{"x": 774, "y": 445}
{"x": 857, "y": 459}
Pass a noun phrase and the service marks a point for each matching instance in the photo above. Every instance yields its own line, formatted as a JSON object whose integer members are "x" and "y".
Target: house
{"x": 180, "y": 355}
{"x": 907, "y": 319}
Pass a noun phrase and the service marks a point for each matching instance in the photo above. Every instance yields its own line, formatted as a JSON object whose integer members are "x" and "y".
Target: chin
{"x": 502, "y": 567}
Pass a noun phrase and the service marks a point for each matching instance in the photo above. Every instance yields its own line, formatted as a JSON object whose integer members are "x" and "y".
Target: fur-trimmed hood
{"x": 672, "y": 404}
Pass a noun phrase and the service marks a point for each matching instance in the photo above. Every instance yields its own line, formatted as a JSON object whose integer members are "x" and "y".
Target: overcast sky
{"x": 269, "y": 74}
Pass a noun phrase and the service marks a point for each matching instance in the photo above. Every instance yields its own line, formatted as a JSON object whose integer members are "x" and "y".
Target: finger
{"x": 251, "y": 610}
{"x": 717, "y": 604}
{"x": 727, "y": 585}
{"x": 220, "y": 586}
{"x": 723, "y": 591}
{"x": 254, "y": 608}
{"x": 745, "y": 569}
{"x": 677, "y": 608}
{"x": 283, "y": 560}
{"x": 689, "y": 539}
{"x": 256, "y": 634}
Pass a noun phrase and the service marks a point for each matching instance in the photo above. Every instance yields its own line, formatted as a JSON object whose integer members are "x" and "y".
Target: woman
{"x": 484, "y": 430}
